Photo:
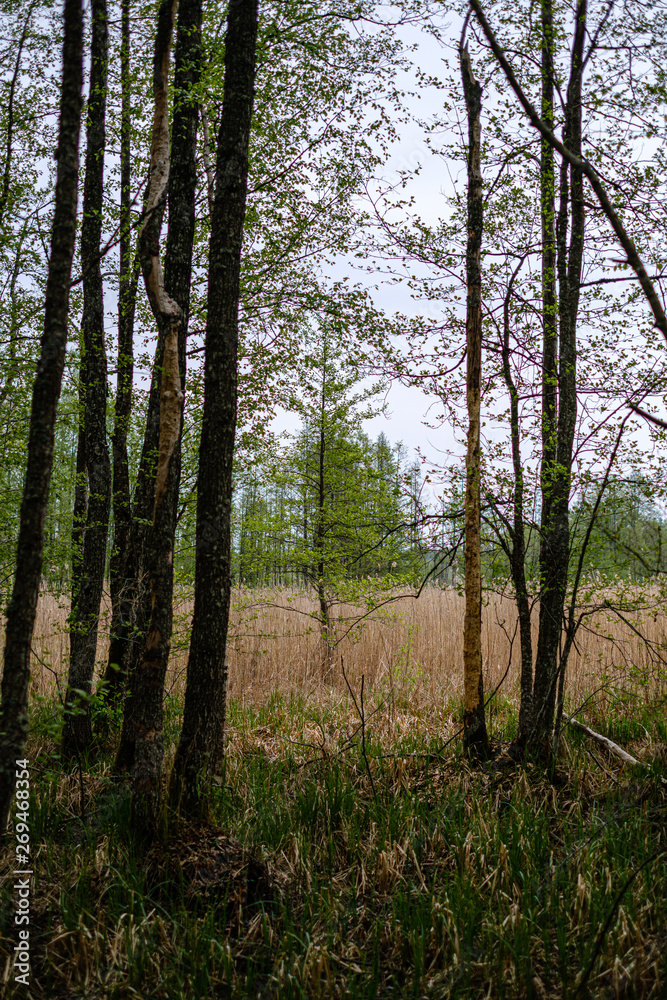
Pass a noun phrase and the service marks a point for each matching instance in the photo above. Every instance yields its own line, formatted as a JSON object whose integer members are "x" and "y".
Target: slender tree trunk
{"x": 201, "y": 744}
{"x": 208, "y": 164}
{"x": 9, "y": 149}
{"x": 320, "y": 534}
{"x": 555, "y": 551}
{"x": 148, "y": 678}
{"x": 133, "y": 625}
{"x": 549, "y": 347}
{"x": 80, "y": 507}
{"x": 170, "y": 302}
{"x": 45, "y": 395}
{"x": 475, "y": 737}
{"x": 77, "y": 729}
{"x": 121, "y": 607}
{"x": 518, "y": 531}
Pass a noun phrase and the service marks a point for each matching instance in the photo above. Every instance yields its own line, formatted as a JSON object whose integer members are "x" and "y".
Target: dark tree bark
{"x": 45, "y": 395}
{"x": 121, "y": 607}
{"x": 201, "y": 744}
{"x": 77, "y": 730}
{"x": 549, "y": 357}
{"x": 170, "y": 302}
{"x": 517, "y": 547}
{"x": 561, "y": 261}
{"x": 549, "y": 336}
{"x": 144, "y": 704}
{"x": 80, "y": 507}
{"x": 475, "y": 736}
{"x": 132, "y": 626}
{"x": 555, "y": 547}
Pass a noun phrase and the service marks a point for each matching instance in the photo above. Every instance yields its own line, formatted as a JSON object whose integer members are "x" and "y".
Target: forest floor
{"x": 405, "y": 873}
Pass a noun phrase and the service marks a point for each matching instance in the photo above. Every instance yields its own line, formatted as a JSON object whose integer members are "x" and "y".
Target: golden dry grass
{"x": 404, "y": 873}
{"x": 437, "y": 880}
{"x": 410, "y": 649}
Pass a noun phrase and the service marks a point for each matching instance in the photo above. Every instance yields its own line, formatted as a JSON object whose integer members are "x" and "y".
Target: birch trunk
{"x": 320, "y": 537}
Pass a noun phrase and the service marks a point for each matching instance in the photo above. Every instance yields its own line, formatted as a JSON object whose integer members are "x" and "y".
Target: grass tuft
{"x": 446, "y": 881}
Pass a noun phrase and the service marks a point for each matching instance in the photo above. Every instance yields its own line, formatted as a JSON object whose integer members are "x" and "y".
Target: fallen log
{"x": 610, "y": 746}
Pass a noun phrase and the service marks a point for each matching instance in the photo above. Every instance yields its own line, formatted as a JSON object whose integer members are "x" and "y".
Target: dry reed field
{"x": 332, "y": 867}
{"x": 409, "y": 649}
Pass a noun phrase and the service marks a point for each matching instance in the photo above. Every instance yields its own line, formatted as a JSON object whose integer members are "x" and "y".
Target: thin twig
{"x": 601, "y": 766}
{"x": 360, "y": 712}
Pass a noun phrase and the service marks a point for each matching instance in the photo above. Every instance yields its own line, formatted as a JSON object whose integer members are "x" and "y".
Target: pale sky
{"x": 407, "y": 407}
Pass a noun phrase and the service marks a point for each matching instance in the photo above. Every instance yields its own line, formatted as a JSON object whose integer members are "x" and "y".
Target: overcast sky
{"x": 407, "y": 408}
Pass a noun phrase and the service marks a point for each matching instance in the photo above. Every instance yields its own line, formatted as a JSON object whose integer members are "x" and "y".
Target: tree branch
{"x": 586, "y": 168}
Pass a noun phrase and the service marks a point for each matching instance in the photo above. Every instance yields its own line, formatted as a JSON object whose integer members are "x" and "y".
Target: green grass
{"x": 447, "y": 882}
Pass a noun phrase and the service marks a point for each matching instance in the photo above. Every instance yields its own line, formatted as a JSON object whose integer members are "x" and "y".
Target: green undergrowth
{"x": 407, "y": 873}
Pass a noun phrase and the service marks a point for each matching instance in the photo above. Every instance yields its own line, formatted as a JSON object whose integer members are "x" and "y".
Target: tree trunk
{"x": 570, "y": 150}
{"x": 77, "y": 730}
{"x": 549, "y": 336}
{"x": 555, "y": 548}
{"x": 320, "y": 534}
{"x": 9, "y": 150}
{"x": 518, "y": 532}
{"x": 170, "y": 304}
{"x": 132, "y": 626}
{"x": 475, "y": 737}
{"x": 121, "y": 608}
{"x": 148, "y": 678}
{"x": 45, "y": 395}
{"x": 201, "y": 744}
{"x": 80, "y": 507}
